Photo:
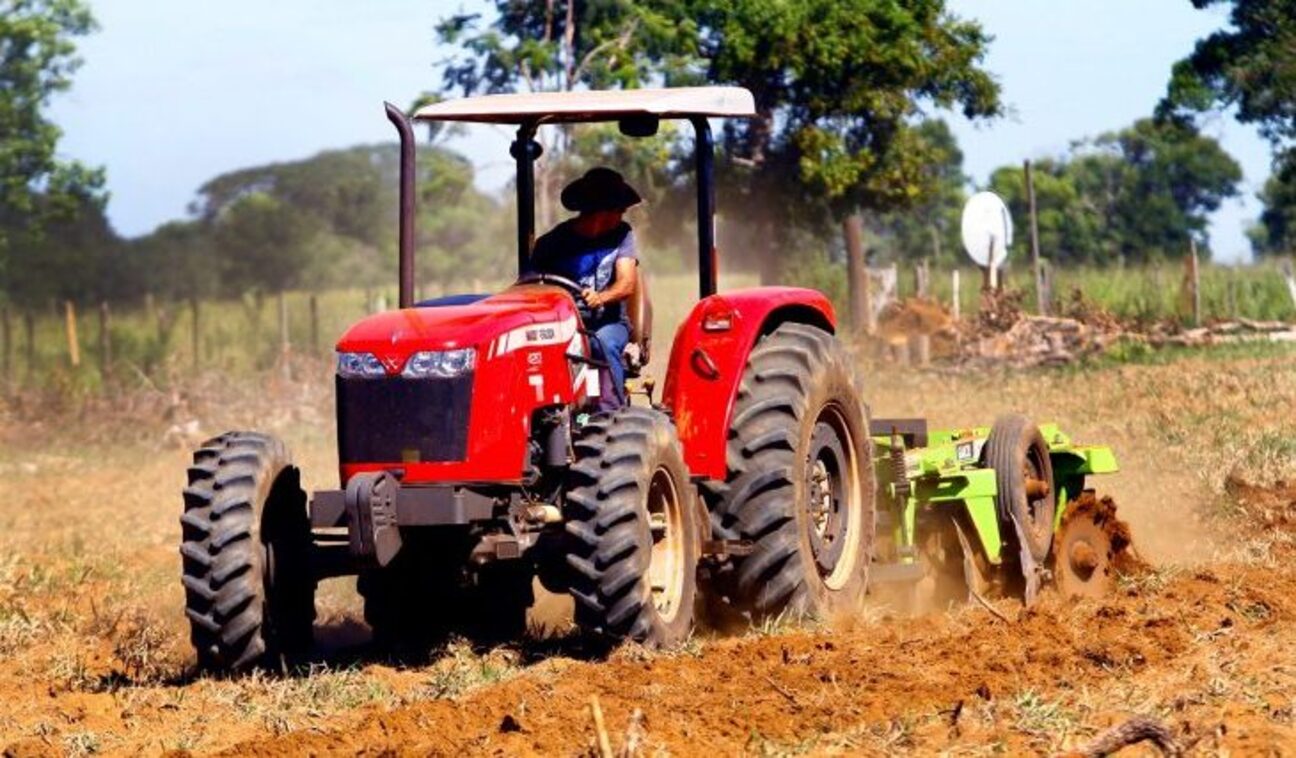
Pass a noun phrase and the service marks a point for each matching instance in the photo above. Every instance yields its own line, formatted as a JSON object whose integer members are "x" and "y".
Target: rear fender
{"x": 708, "y": 357}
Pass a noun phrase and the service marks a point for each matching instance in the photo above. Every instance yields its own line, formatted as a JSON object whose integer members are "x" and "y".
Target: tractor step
{"x": 896, "y": 573}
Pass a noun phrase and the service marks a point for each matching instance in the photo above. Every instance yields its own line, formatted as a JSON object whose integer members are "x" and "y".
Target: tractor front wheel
{"x": 249, "y": 589}
{"x": 632, "y": 528}
{"x": 800, "y": 482}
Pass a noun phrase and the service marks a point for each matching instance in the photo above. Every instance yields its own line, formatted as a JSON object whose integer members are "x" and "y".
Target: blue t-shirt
{"x": 588, "y": 261}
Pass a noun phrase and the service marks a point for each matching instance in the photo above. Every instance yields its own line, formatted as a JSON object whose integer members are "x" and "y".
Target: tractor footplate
{"x": 371, "y": 516}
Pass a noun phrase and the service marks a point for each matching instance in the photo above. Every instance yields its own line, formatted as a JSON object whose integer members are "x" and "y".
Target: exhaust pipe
{"x": 406, "y": 236}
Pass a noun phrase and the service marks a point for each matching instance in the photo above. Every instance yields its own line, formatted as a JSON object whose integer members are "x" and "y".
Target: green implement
{"x": 990, "y": 508}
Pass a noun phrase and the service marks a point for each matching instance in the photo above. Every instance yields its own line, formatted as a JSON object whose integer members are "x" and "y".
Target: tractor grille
{"x": 407, "y": 420}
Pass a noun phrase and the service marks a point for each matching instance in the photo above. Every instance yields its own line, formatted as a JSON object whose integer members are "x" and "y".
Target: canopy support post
{"x": 705, "y": 168}
{"x": 406, "y": 234}
{"x": 525, "y": 150}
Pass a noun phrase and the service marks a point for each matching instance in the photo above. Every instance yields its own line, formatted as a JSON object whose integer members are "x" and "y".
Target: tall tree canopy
{"x": 37, "y": 60}
{"x": 329, "y": 220}
{"x": 1249, "y": 66}
{"x": 929, "y": 228}
{"x": 1133, "y": 195}
{"x": 839, "y": 86}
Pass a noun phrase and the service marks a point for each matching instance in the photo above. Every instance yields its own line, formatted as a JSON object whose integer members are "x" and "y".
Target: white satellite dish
{"x": 987, "y": 230}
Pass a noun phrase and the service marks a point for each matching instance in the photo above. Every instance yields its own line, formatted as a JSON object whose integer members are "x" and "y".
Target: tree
{"x": 838, "y": 87}
{"x": 37, "y": 60}
{"x": 338, "y": 221}
{"x": 564, "y": 44}
{"x": 1249, "y": 66}
{"x": 930, "y": 227}
{"x": 1274, "y": 233}
{"x": 1132, "y": 195}
{"x": 1070, "y": 226}
{"x": 561, "y": 45}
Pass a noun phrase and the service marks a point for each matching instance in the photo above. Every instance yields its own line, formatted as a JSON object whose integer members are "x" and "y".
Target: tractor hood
{"x": 393, "y": 335}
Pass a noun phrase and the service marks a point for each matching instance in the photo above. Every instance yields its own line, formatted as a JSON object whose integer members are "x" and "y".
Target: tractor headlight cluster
{"x": 364, "y": 365}
{"x": 440, "y": 364}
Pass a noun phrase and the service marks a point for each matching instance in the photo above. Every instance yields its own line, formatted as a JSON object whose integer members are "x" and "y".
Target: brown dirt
{"x": 94, "y": 655}
{"x": 1102, "y": 511}
{"x": 824, "y": 688}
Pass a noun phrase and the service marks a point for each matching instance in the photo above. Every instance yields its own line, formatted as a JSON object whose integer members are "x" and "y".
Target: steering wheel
{"x": 539, "y": 277}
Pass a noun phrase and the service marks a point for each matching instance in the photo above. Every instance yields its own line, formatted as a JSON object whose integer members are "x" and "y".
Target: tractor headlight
{"x": 364, "y": 365}
{"x": 440, "y": 364}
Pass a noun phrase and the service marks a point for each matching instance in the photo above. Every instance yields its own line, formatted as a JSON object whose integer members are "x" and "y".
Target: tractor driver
{"x": 596, "y": 249}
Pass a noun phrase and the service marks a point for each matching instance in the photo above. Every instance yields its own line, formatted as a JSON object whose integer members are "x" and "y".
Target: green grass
{"x": 156, "y": 345}
{"x": 1153, "y": 293}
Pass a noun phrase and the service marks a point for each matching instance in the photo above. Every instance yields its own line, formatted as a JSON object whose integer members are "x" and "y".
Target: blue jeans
{"x": 609, "y": 343}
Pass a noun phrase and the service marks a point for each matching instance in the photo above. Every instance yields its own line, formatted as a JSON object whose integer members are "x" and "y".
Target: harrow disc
{"x": 1084, "y": 557}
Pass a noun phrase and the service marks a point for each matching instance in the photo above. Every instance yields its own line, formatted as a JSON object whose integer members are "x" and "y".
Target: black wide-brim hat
{"x": 600, "y": 189}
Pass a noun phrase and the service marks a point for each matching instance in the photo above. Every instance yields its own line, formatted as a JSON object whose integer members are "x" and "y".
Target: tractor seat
{"x": 639, "y": 309}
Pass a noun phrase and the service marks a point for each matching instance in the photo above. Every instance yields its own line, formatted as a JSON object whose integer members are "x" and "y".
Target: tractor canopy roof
{"x": 601, "y": 105}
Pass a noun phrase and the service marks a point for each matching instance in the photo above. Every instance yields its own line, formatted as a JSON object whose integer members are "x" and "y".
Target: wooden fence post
{"x": 105, "y": 343}
{"x": 1232, "y": 292}
{"x": 195, "y": 332}
{"x": 1193, "y": 281}
{"x": 6, "y": 349}
{"x": 920, "y": 349}
{"x": 1290, "y": 275}
{"x": 955, "y": 305}
{"x": 74, "y": 345}
{"x": 29, "y": 326}
{"x": 1041, "y": 301}
{"x": 283, "y": 334}
{"x": 857, "y": 277}
{"x": 314, "y": 324}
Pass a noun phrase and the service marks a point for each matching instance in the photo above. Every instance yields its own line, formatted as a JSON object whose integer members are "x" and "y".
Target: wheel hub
{"x": 665, "y": 567}
{"x": 1083, "y": 566}
{"x": 1037, "y": 494}
{"x": 826, "y": 501}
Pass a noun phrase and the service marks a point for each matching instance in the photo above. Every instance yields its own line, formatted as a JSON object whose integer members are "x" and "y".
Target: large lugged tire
{"x": 632, "y": 524}
{"x": 800, "y": 479}
{"x": 1025, "y": 500}
{"x": 249, "y": 590}
{"x": 1018, "y": 453}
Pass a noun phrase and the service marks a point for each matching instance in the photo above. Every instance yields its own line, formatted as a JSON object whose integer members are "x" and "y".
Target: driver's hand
{"x": 592, "y": 299}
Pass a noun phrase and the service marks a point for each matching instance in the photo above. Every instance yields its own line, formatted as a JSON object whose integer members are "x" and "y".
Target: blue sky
{"x": 175, "y": 93}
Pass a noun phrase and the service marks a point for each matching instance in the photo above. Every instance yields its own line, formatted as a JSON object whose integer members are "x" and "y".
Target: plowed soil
{"x": 94, "y": 656}
{"x": 939, "y": 683}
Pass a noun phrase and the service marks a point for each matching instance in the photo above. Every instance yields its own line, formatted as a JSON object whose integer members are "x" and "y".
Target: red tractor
{"x": 473, "y": 459}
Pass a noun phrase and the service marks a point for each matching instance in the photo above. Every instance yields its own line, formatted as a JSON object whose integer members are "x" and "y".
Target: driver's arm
{"x": 623, "y": 285}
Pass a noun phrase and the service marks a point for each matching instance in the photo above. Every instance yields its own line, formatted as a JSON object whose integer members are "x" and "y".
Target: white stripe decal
{"x": 536, "y": 335}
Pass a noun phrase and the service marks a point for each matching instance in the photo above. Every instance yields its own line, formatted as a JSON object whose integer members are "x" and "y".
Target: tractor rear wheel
{"x": 800, "y": 480}
{"x": 1025, "y": 502}
{"x": 632, "y": 526}
{"x": 249, "y": 589}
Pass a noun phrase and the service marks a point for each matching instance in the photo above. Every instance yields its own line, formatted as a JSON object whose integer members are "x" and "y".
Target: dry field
{"x": 94, "y": 654}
